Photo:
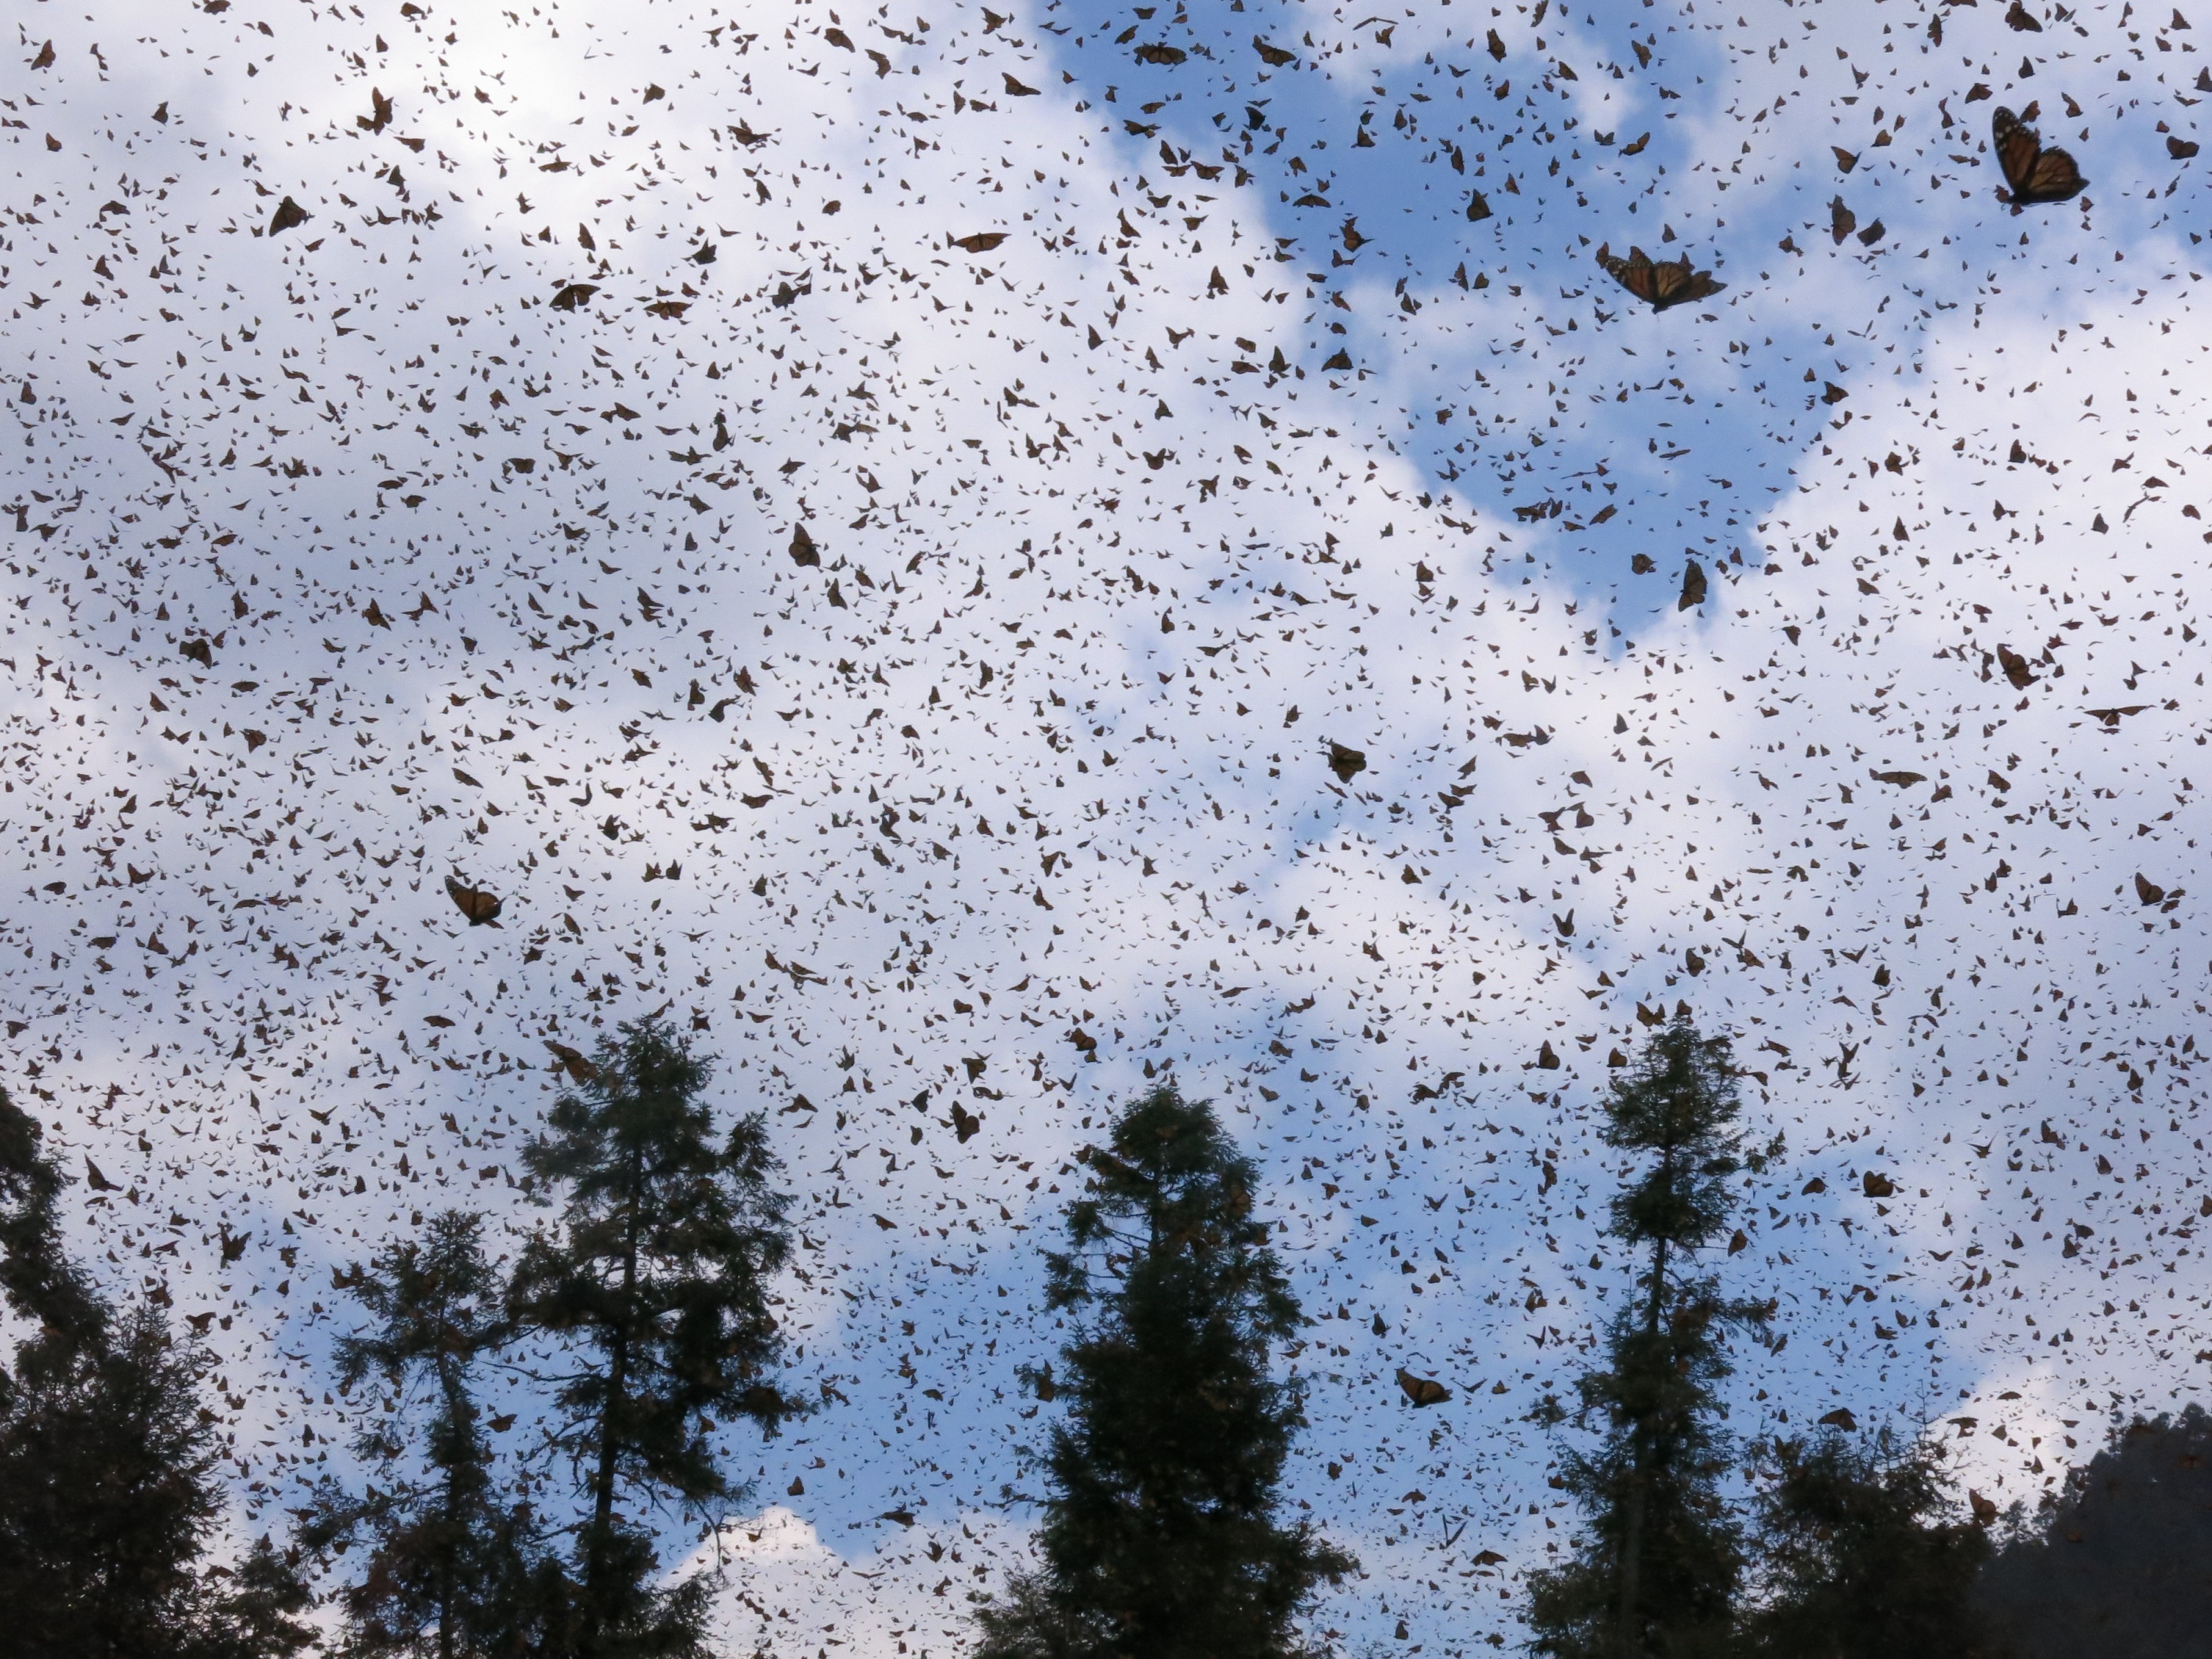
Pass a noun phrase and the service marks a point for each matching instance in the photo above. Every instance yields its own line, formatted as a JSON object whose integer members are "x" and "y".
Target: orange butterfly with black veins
{"x": 2032, "y": 173}
{"x": 1422, "y": 1390}
{"x": 481, "y": 909}
{"x": 571, "y": 1060}
{"x": 1659, "y": 284}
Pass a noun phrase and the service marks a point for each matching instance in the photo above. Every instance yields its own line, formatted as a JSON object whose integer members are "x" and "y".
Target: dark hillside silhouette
{"x": 2121, "y": 1566}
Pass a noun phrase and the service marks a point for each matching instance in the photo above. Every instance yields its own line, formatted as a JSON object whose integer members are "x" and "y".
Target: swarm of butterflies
{"x": 860, "y": 629}
{"x": 2035, "y": 175}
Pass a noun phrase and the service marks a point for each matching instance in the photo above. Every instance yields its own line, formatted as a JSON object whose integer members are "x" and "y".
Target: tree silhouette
{"x": 2115, "y": 1564}
{"x": 1659, "y": 1568}
{"x": 258, "y": 1619}
{"x": 656, "y": 1281}
{"x": 36, "y": 1275}
{"x": 1160, "y": 1537}
{"x": 452, "y": 1570}
{"x": 1862, "y": 1558}
{"x": 107, "y": 1495}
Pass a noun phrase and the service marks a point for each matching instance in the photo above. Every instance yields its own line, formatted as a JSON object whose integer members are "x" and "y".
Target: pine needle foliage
{"x": 1863, "y": 1556}
{"x": 656, "y": 1284}
{"x": 108, "y": 1499}
{"x": 1663, "y": 1557}
{"x": 453, "y": 1572}
{"x": 1161, "y": 1536}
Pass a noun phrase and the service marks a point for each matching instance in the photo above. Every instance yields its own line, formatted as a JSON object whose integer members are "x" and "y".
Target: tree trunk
{"x": 449, "y": 1385}
{"x": 610, "y": 1412}
{"x": 1628, "y": 1639}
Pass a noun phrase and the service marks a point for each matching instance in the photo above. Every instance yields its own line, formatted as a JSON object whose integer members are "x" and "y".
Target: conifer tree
{"x": 37, "y": 1278}
{"x": 1161, "y": 1539}
{"x": 108, "y": 1493}
{"x": 656, "y": 1282}
{"x": 105, "y": 1491}
{"x": 1660, "y": 1567}
{"x": 1863, "y": 1557}
{"x": 258, "y": 1619}
{"x": 452, "y": 1570}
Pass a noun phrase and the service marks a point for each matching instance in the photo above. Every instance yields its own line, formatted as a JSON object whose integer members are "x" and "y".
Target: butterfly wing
{"x": 1676, "y": 283}
{"x": 1636, "y": 273}
{"x": 1422, "y": 1390}
{"x": 479, "y": 907}
{"x": 2015, "y": 146}
{"x": 2052, "y": 178}
{"x": 572, "y": 1062}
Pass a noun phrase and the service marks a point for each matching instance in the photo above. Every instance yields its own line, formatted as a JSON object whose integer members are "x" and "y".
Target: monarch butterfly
{"x": 2032, "y": 173}
{"x": 479, "y": 907}
{"x": 571, "y": 1061}
{"x": 1667, "y": 283}
{"x": 1422, "y": 1390}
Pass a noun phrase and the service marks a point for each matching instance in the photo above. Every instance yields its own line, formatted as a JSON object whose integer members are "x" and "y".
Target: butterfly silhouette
{"x": 571, "y": 1060}
{"x": 479, "y": 907}
{"x": 1666, "y": 283}
{"x": 2032, "y": 173}
{"x": 1422, "y": 1390}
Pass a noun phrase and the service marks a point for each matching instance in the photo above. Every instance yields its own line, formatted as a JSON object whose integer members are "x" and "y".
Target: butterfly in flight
{"x": 1669, "y": 282}
{"x": 1422, "y": 1390}
{"x": 478, "y": 906}
{"x": 2032, "y": 173}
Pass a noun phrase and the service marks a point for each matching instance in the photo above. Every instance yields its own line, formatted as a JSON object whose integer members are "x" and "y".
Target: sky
{"x": 981, "y": 562}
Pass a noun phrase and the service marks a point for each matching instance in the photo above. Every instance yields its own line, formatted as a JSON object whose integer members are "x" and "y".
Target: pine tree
{"x": 1661, "y": 1566}
{"x": 107, "y": 1494}
{"x": 656, "y": 1282}
{"x": 1863, "y": 1557}
{"x": 36, "y": 1275}
{"x": 452, "y": 1570}
{"x": 260, "y": 1617}
{"x": 1160, "y": 1536}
